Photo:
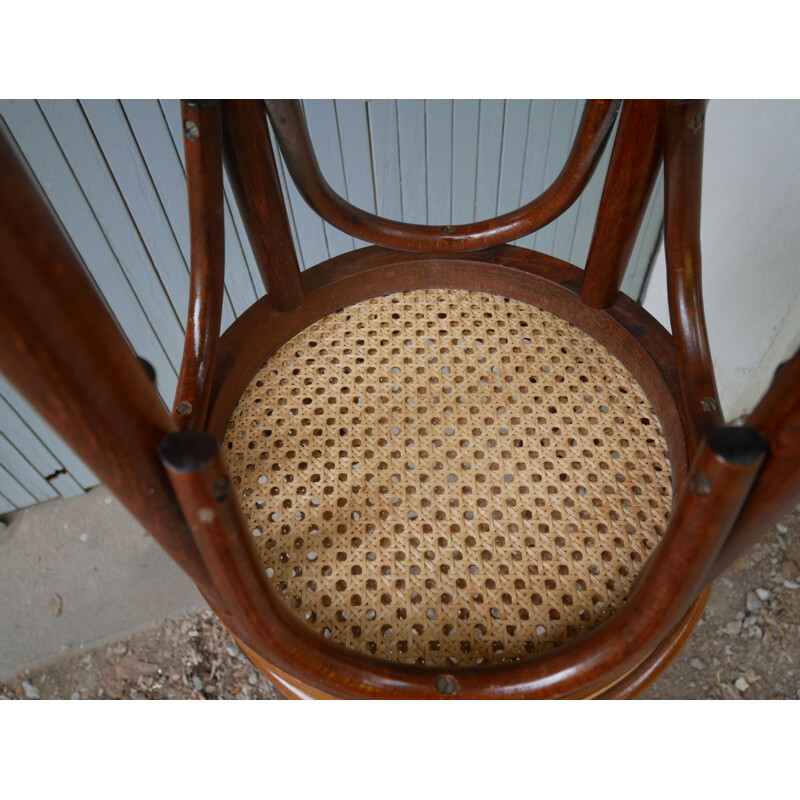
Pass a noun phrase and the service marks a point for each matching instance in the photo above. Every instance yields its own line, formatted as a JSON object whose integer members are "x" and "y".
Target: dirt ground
{"x": 747, "y": 646}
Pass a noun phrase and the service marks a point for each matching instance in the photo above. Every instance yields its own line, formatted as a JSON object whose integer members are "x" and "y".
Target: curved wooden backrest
{"x": 293, "y": 138}
{"x": 250, "y": 164}
{"x": 61, "y": 348}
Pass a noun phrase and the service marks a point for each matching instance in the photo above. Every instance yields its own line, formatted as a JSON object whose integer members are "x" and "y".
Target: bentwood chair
{"x": 441, "y": 466}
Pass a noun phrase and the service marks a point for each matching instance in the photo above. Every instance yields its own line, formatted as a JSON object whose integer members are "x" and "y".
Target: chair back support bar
{"x": 684, "y": 129}
{"x": 632, "y": 171}
{"x": 202, "y": 140}
{"x": 250, "y": 164}
{"x": 291, "y": 132}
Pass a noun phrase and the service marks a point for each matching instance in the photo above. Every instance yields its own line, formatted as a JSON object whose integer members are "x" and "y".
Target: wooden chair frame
{"x": 64, "y": 352}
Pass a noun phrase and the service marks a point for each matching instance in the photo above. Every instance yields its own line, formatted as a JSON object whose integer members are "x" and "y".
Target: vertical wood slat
{"x": 26, "y": 441}
{"x": 540, "y": 123}
{"x": 308, "y": 230}
{"x": 324, "y": 131}
{"x": 253, "y": 173}
{"x": 241, "y": 273}
{"x": 17, "y": 465}
{"x": 557, "y": 150}
{"x": 515, "y": 141}
{"x": 40, "y": 428}
{"x": 411, "y": 145}
{"x": 589, "y": 203}
{"x": 282, "y": 172}
{"x": 129, "y": 172}
{"x": 89, "y": 165}
{"x": 313, "y": 245}
{"x": 166, "y": 171}
{"x": 465, "y": 159}
{"x": 635, "y": 162}
{"x": 490, "y": 143}
{"x": 385, "y": 157}
{"x": 67, "y": 194}
{"x": 439, "y": 159}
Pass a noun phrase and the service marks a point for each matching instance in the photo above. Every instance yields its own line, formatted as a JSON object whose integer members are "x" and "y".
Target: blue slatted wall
{"x": 114, "y": 173}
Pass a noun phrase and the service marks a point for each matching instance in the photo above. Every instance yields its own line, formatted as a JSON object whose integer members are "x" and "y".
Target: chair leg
{"x": 777, "y": 490}
{"x": 66, "y": 355}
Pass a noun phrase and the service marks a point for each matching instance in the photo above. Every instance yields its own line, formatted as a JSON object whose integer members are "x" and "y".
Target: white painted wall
{"x": 750, "y": 236}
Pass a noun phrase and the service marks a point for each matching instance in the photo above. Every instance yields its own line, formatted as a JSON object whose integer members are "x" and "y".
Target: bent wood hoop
{"x": 76, "y": 368}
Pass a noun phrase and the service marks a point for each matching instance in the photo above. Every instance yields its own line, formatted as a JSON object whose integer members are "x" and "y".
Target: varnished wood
{"x": 777, "y": 490}
{"x": 288, "y": 686}
{"x": 684, "y": 128}
{"x": 64, "y": 352}
{"x": 632, "y": 684}
{"x": 92, "y": 389}
{"x": 721, "y": 477}
{"x": 638, "y": 679}
{"x": 293, "y": 138}
{"x": 250, "y": 164}
{"x": 203, "y": 147}
{"x": 631, "y": 175}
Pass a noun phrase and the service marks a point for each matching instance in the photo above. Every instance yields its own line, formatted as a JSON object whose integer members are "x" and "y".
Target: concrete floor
{"x": 79, "y": 573}
{"x": 75, "y": 573}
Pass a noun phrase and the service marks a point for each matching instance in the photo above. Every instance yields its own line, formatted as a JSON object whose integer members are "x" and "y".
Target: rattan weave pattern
{"x": 444, "y": 476}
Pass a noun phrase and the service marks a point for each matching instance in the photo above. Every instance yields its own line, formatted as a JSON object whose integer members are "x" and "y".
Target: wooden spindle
{"x": 202, "y": 142}
{"x": 251, "y": 167}
{"x": 684, "y": 128}
{"x": 631, "y": 175}
{"x": 720, "y": 480}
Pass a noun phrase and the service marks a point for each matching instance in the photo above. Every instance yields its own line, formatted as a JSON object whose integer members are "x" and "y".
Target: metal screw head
{"x": 221, "y": 489}
{"x": 446, "y": 684}
{"x": 447, "y": 229}
{"x": 710, "y": 404}
{"x": 701, "y": 484}
{"x": 190, "y": 130}
{"x": 183, "y": 409}
{"x": 696, "y": 123}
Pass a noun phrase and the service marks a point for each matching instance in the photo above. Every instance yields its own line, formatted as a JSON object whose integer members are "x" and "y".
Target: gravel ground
{"x": 747, "y": 646}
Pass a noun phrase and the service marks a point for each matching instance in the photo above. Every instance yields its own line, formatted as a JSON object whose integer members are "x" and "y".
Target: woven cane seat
{"x": 449, "y": 477}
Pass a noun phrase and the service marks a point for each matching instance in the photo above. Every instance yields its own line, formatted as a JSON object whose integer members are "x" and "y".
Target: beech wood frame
{"x": 64, "y": 352}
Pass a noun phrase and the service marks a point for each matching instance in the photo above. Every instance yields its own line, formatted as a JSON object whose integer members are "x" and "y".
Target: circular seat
{"x": 449, "y": 477}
